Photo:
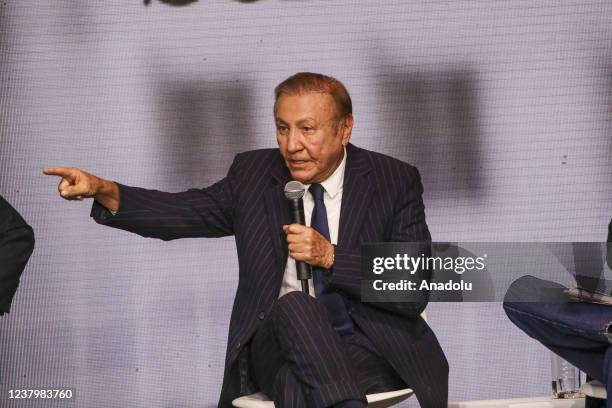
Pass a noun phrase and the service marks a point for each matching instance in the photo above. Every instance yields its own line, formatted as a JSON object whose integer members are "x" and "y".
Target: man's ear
{"x": 347, "y": 129}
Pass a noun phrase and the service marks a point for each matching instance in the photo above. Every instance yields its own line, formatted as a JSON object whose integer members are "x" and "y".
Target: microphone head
{"x": 294, "y": 190}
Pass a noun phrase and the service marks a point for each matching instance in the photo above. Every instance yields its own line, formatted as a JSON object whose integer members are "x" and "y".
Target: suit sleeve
{"x": 16, "y": 246}
{"x": 408, "y": 225}
{"x": 207, "y": 212}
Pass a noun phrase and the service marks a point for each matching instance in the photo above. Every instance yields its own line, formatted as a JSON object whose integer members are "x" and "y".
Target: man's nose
{"x": 294, "y": 144}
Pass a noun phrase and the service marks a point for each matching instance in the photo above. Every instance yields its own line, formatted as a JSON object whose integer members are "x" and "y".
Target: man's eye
{"x": 308, "y": 129}
{"x": 282, "y": 129}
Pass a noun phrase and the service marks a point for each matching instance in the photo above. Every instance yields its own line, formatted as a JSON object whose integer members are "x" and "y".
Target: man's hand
{"x": 306, "y": 244}
{"x": 77, "y": 185}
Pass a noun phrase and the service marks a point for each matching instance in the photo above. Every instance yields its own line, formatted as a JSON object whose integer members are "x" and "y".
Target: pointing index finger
{"x": 58, "y": 171}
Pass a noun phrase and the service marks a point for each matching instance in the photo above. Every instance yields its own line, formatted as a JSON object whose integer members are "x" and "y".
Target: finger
{"x": 302, "y": 236}
{"x": 299, "y": 256}
{"x": 63, "y": 184}
{"x": 77, "y": 198}
{"x": 287, "y": 228}
{"x": 59, "y": 171}
{"x": 294, "y": 238}
{"x": 294, "y": 228}
{"x": 300, "y": 248}
{"x": 72, "y": 192}
{"x": 296, "y": 248}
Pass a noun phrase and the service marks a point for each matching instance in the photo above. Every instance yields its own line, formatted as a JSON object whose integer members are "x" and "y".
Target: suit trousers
{"x": 299, "y": 360}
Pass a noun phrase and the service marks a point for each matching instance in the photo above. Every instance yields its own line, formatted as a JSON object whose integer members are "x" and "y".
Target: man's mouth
{"x": 297, "y": 162}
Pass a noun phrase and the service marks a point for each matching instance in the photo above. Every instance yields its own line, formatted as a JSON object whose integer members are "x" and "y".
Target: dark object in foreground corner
{"x": 16, "y": 246}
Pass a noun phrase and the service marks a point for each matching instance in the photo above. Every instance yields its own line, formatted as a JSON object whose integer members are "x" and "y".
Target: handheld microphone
{"x": 294, "y": 191}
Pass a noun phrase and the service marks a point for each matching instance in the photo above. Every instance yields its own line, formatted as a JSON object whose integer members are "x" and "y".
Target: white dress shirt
{"x": 333, "y": 199}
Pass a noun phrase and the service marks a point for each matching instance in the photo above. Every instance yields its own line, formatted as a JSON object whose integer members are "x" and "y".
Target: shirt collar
{"x": 333, "y": 184}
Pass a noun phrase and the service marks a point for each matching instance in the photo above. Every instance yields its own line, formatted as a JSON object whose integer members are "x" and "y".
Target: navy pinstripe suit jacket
{"x": 381, "y": 201}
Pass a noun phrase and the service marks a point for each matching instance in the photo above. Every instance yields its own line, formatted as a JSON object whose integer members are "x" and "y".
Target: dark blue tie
{"x": 334, "y": 303}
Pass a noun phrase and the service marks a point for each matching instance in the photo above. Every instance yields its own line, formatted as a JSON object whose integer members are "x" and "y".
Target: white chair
{"x": 594, "y": 389}
{"x": 379, "y": 400}
{"x": 535, "y": 402}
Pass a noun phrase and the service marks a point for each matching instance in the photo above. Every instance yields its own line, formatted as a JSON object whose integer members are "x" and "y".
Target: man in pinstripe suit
{"x": 301, "y": 350}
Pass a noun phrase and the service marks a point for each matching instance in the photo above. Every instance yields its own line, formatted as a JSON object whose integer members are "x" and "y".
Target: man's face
{"x": 310, "y": 136}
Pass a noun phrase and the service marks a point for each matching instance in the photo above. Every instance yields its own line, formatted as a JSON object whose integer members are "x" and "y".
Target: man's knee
{"x": 521, "y": 315}
{"x": 298, "y": 305}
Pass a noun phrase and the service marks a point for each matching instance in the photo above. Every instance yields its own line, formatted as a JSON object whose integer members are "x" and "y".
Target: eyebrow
{"x": 305, "y": 120}
{"x": 299, "y": 122}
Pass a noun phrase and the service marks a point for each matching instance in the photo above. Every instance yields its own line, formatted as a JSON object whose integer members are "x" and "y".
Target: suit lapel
{"x": 357, "y": 193}
{"x": 277, "y": 212}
